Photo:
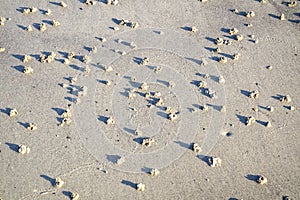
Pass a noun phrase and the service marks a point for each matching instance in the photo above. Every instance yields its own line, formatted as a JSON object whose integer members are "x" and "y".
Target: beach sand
{"x": 77, "y": 154}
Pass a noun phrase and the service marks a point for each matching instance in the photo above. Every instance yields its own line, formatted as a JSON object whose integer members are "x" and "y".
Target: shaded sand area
{"x": 149, "y": 99}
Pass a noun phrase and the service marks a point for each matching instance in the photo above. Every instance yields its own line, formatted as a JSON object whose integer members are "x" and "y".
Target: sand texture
{"x": 136, "y": 99}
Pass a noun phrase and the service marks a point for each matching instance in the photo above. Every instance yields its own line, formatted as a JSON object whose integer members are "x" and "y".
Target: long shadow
{"x": 21, "y": 27}
{"x": 42, "y": 11}
{"x": 76, "y": 67}
{"x": 101, "y": 81}
{"x": 204, "y": 158}
{"x": 141, "y": 94}
{"x": 36, "y": 56}
{"x": 36, "y": 26}
{"x": 161, "y": 108}
{"x": 195, "y": 82}
{"x": 74, "y": 87}
{"x": 127, "y": 77}
{"x": 263, "y": 123}
{"x": 24, "y": 124}
{"x": 125, "y": 93}
{"x": 129, "y": 130}
{"x": 158, "y": 32}
{"x": 54, "y": 3}
{"x": 198, "y": 106}
{"x": 69, "y": 78}
{"x": 125, "y": 43}
{"x": 213, "y": 40}
{"x": 119, "y": 41}
{"x": 242, "y": 13}
{"x": 199, "y": 62}
{"x": 59, "y": 111}
{"x": 6, "y": 110}
{"x": 162, "y": 114}
{"x": 13, "y": 147}
{"x": 286, "y": 3}
{"x": 245, "y": 92}
{"x": 214, "y": 78}
{"x": 165, "y": 83}
{"x": 186, "y": 28}
{"x": 152, "y": 101}
{"x": 296, "y": 14}
{"x": 59, "y": 120}
{"x": 183, "y": 144}
{"x": 226, "y": 55}
{"x": 79, "y": 58}
{"x": 102, "y": 118}
{"x": 64, "y": 54}
{"x": 137, "y": 60}
{"x": 99, "y": 38}
{"x": 112, "y": 28}
{"x": 89, "y": 49}
{"x": 274, "y": 16}
{"x": 70, "y": 99}
{"x": 287, "y": 107}
{"x": 129, "y": 183}
{"x": 214, "y": 58}
{"x": 205, "y": 92}
{"x": 252, "y": 177}
{"x": 225, "y": 30}
{"x": 47, "y": 22}
{"x": 251, "y": 40}
{"x": 199, "y": 74}
{"x": 139, "y": 140}
{"x": 209, "y": 49}
{"x": 263, "y": 107}
{"x": 18, "y": 56}
{"x": 20, "y": 9}
{"x": 46, "y": 53}
{"x": 98, "y": 66}
{"x": 134, "y": 84}
{"x": 242, "y": 119}
{"x": 151, "y": 67}
{"x": 59, "y": 60}
{"x": 229, "y": 36}
{"x": 147, "y": 170}
{"x": 296, "y": 21}
{"x": 68, "y": 194}
{"x": 277, "y": 97}
{"x": 215, "y": 107}
{"x": 51, "y": 180}
{"x": 116, "y": 21}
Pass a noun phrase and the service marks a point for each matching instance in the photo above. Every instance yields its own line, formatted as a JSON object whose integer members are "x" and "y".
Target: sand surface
{"x": 85, "y": 154}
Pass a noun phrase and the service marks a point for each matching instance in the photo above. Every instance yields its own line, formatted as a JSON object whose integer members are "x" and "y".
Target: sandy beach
{"x": 149, "y": 99}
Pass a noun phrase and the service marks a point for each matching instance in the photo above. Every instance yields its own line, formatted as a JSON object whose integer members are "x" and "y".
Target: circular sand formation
{"x": 145, "y": 113}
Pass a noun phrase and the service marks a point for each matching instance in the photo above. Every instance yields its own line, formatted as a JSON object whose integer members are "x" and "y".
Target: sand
{"x": 100, "y": 160}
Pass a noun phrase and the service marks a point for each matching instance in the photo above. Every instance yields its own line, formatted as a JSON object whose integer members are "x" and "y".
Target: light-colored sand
{"x": 88, "y": 163}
